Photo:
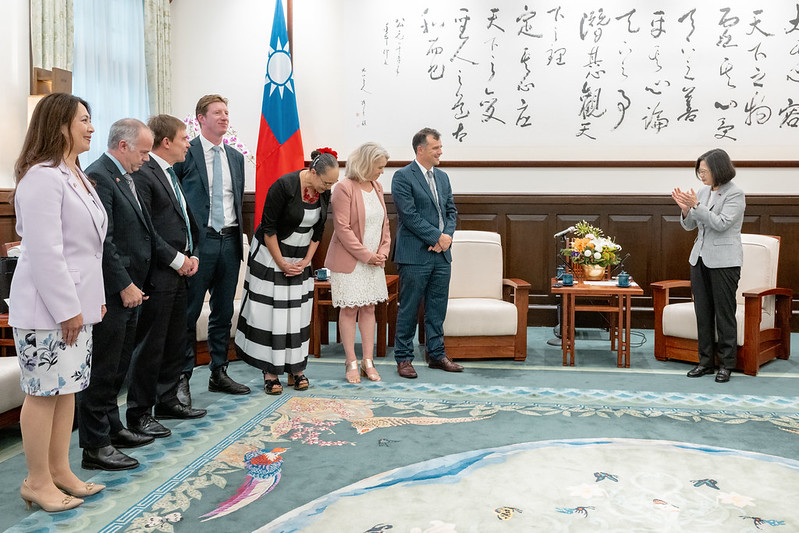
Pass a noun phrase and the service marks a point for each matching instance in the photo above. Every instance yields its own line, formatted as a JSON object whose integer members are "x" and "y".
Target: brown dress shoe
{"x": 405, "y": 370}
{"x": 445, "y": 364}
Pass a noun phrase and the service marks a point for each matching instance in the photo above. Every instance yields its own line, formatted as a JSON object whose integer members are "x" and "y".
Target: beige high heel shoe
{"x": 368, "y": 370}
{"x": 352, "y": 366}
{"x": 30, "y": 497}
{"x": 88, "y": 489}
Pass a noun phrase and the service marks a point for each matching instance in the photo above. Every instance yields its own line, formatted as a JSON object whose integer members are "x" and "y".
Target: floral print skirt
{"x": 48, "y": 365}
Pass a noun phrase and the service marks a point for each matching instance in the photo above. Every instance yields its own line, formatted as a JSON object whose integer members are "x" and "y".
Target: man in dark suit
{"x": 160, "y": 336}
{"x": 213, "y": 178}
{"x": 127, "y": 252}
{"x": 426, "y": 217}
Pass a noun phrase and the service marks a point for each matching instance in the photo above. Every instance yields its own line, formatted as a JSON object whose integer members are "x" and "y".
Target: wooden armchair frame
{"x": 760, "y": 346}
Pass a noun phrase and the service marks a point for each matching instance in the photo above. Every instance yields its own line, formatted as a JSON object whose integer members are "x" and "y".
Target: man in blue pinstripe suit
{"x": 426, "y": 216}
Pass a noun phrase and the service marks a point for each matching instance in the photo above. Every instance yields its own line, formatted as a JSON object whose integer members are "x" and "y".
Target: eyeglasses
{"x": 702, "y": 171}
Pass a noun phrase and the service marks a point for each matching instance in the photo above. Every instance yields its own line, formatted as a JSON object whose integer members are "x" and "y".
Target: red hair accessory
{"x": 327, "y": 150}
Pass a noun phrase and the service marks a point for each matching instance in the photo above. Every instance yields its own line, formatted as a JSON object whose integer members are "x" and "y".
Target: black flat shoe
{"x": 699, "y": 370}
{"x": 107, "y": 458}
{"x": 300, "y": 382}
{"x": 128, "y": 439}
{"x": 723, "y": 376}
{"x": 273, "y": 386}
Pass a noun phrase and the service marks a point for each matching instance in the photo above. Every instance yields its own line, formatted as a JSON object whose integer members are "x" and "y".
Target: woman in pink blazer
{"x": 357, "y": 254}
{"x": 56, "y": 293}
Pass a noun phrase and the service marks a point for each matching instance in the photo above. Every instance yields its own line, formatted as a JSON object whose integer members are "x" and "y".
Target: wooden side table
{"x": 385, "y": 316}
{"x": 619, "y": 307}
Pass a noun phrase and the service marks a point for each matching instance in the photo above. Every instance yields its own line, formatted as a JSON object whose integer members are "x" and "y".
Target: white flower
{"x": 590, "y": 236}
{"x": 598, "y": 247}
{"x": 597, "y": 255}
{"x": 587, "y": 253}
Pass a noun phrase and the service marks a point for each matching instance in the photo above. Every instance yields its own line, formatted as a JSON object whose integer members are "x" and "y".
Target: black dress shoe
{"x": 107, "y": 458}
{"x": 221, "y": 382}
{"x": 723, "y": 376}
{"x": 128, "y": 439}
{"x": 445, "y": 364}
{"x": 147, "y": 425}
{"x": 183, "y": 392}
{"x": 178, "y": 411}
{"x": 699, "y": 370}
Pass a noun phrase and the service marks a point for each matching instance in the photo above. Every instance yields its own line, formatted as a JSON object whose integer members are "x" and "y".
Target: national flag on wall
{"x": 279, "y": 139}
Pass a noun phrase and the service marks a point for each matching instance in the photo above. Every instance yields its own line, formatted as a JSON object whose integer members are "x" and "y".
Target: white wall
{"x": 14, "y": 84}
{"x": 223, "y": 50}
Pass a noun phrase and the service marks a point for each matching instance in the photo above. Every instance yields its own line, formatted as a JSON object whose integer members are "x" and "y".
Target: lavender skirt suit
{"x": 58, "y": 276}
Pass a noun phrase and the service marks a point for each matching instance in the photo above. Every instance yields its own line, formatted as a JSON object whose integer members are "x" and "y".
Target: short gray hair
{"x": 363, "y": 160}
{"x": 125, "y": 129}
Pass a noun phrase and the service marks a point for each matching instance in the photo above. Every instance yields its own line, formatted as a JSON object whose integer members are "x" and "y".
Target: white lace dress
{"x": 366, "y": 285}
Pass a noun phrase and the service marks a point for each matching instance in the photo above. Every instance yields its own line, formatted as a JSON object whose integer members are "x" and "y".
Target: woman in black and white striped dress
{"x": 274, "y": 325}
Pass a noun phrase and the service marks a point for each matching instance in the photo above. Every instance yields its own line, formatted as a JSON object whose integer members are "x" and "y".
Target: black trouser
{"x": 160, "y": 344}
{"x": 113, "y": 340}
{"x": 714, "y": 304}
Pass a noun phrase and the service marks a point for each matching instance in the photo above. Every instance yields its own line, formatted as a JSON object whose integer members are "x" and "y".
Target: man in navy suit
{"x": 212, "y": 177}
{"x": 158, "y": 358}
{"x": 127, "y": 251}
{"x": 426, "y": 217}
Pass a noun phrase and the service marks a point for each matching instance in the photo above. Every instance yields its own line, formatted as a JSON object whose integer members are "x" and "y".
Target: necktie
{"x": 432, "y": 183}
{"x": 180, "y": 203}
{"x": 132, "y": 186}
{"x": 217, "y": 211}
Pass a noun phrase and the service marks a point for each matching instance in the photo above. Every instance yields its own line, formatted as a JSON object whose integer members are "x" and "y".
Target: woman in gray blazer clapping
{"x": 717, "y": 212}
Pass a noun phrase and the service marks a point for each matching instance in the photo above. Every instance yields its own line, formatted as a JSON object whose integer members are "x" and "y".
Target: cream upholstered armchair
{"x": 763, "y": 312}
{"x": 486, "y": 314}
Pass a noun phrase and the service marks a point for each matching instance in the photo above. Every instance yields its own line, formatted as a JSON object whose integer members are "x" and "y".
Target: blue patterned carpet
{"x": 501, "y": 447}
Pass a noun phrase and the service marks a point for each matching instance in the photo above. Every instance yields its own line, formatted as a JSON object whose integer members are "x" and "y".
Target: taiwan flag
{"x": 279, "y": 139}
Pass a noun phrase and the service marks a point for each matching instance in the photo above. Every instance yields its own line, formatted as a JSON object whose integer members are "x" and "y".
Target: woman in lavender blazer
{"x": 357, "y": 254}
{"x": 56, "y": 293}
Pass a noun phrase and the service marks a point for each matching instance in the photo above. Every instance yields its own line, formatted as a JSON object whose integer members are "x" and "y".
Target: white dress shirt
{"x": 227, "y": 182}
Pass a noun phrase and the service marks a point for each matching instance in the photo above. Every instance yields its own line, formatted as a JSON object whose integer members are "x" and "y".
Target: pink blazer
{"x": 346, "y": 246}
{"x": 60, "y": 270}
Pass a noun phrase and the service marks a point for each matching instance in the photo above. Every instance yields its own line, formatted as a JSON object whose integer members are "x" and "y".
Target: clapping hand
{"x": 685, "y": 199}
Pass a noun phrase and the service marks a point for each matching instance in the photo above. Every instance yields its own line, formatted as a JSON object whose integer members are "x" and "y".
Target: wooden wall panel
{"x": 528, "y": 252}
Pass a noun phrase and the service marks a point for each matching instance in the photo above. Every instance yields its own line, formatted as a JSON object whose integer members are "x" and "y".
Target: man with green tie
{"x": 160, "y": 336}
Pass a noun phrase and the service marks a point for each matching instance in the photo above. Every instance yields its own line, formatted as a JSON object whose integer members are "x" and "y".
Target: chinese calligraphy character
{"x": 526, "y": 28}
{"x": 629, "y": 16}
{"x": 690, "y": 111}
{"x": 689, "y": 16}
{"x": 657, "y": 25}
{"x": 726, "y": 22}
{"x": 489, "y": 106}
{"x": 655, "y": 119}
{"x": 623, "y": 106}
{"x": 790, "y": 115}
{"x": 761, "y": 113}
{"x": 724, "y": 129}
{"x": 523, "y": 120}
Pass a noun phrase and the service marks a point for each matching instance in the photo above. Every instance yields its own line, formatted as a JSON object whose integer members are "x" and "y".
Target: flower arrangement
{"x": 231, "y": 137}
{"x": 591, "y": 247}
